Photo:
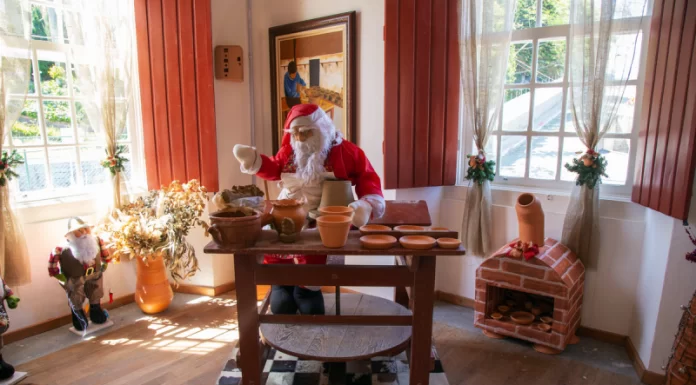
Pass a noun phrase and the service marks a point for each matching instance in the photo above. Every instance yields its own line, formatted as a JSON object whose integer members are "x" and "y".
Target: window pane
{"x": 516, "y": 110}
{"x": 53, "y": 80}
{"x": 569, "y": 122}
{"x": 57, "y": 117}
{"x": 128, "y": 165}
{"x": 624, "y": 55}
{"x": 519, "y": 70}
{"x": 554, "y": 12}
{"x": 572, "y": 148}
{"x": 548, "y": 104}
{"x": 513, "y": 155}
{"x": 63, "y": 167}
{"x": 32, "y": 174}
{"x": 525, "y": 14}
{"x": 122, "y": 121}
{"x": 544, "y": 155}
{"x": 616, "y": 152}
{"x": 92, "y": 171}
{"x": 551, "y": 61}
{"x": 630, "y": 8}
{"x": 26, "y": 129}
{"x": 625, "y": 111}
{"x": 85, "y": 131}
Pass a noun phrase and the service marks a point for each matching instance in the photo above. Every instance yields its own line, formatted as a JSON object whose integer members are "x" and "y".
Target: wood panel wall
{"x": 665, "y": 155}
{"x": 175, "y": 65}
{"x": 421, "y": 117}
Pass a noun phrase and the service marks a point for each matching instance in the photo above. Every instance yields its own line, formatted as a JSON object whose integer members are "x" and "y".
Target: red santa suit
{"x": 344, "y": 161}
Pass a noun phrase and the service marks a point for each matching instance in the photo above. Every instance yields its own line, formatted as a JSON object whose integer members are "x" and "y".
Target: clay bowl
{"x": 377, "y": 242}
{"x": 409, "y": 228}
{"x": 333, "y": 230}
{"x": 522, "y": 317}
{"x": 417, "y": 242}
{"x": 439, "y": 229}
{"x": 546, "y": 319}
{"x": 536, "y": 311}
{"x": 497, "y": 316}
{"x": 367, "y": 229}
{"x": 503, "y": 309}
{"x": 233, "y": 229}
{"x": 544, "y": 327}
{"x": 336, "y": 210}
{"x": 448, "y": 243}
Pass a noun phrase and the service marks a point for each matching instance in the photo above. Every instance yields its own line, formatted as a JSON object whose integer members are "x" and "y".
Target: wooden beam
{"x": 367, "y": 320}
{"x": 326, "y": 275}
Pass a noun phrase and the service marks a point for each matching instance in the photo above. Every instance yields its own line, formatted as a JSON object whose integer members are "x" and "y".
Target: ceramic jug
{"x": 530, "y": 219}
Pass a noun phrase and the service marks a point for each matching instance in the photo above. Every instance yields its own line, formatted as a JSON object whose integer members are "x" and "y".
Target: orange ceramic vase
{"x": 153, "y": 293}
{"x": 530, "y": 219}
{"x": 289, "y": 208}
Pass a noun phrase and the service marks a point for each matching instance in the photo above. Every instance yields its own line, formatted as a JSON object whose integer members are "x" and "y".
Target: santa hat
{"x": 308, "y": 117}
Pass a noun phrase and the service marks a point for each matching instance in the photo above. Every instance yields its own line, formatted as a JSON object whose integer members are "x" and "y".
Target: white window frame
{"x": 133, "y": 122}
{"x": 535, "y": 35}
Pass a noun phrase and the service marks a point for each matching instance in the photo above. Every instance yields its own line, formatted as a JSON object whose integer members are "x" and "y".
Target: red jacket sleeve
{"x": 367, "y": 181}
{"x": 272, "y": 167}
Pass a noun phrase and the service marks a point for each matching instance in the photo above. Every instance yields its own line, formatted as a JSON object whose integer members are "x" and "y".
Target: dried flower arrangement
{"x": 157, "y": 224}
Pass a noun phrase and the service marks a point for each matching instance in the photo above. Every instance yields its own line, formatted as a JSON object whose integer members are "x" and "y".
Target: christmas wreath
{"x": 590, "y": 168}
{"x": 480, "y": 169}
{"x": 8, "y": 161}
{"x": 116, "y": 162}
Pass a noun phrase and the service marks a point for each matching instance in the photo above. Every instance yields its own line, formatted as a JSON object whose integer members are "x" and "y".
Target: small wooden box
{"x": 229, "y": 64}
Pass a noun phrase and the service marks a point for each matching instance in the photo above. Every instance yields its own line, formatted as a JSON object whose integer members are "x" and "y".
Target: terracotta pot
{"x": 289, "y": 208}
{"x": 530, "y": 219}
{"x": 336, "y": 193}
{"x": 333, "y": 230}
{"x": 153, "y": 293}
{"x": 336, "y": 210}
{"x": 231, "y": 230}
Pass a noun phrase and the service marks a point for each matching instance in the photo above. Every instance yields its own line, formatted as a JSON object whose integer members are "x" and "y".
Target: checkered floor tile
{"x": 283, "y": 369}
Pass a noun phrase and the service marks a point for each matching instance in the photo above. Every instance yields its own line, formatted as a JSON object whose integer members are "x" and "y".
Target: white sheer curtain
{"x": 15, "y": 72}
{"x": 484, "y": 39}
{"x": 598, "y": 73}
{"x": 102, "y": 38}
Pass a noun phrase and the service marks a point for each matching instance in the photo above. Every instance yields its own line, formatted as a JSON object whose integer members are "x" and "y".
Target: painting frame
{"x": 343, "y": 21}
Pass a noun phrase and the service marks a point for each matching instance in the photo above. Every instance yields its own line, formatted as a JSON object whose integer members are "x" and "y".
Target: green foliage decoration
{"x": 117, "y": 162}
{"x": 480, "y": 169}
{"x": 8, "y": 161}
{"x": 590, "y": 167}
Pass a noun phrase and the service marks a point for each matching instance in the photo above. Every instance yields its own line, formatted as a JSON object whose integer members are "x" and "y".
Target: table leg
{"x": 247, "y": 314}
{"x": 423, "y": 296}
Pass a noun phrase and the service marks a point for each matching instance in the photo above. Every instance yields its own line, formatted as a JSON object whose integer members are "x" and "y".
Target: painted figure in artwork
{"x": 293, "y": 84}
{"x": 311, "y": 152}
{"x": 6, "y": 370}
{"x": 79, "y": 267}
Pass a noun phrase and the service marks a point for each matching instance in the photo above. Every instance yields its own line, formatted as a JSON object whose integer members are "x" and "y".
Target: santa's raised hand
{"x": 312, "y": 151}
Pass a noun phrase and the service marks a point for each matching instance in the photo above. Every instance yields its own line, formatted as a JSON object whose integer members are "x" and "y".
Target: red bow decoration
{"x": 527, "y": 250}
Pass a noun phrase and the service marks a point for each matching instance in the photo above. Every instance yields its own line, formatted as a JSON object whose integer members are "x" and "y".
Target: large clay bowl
{"x": 522, "y": 317}
{"x": 448, "y": 243}
{"x": 417, "y": 242}
{"x": 333, "y": 230}
{"x": 377, "y": 242}
{"x": 367, "y": 229}
{"x": 336, "y": 210}
{"x": 229, "y": 229}
{"x": 409, "y": 228}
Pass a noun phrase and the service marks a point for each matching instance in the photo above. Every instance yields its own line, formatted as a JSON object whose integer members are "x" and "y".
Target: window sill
{"x": 559, "y": 192}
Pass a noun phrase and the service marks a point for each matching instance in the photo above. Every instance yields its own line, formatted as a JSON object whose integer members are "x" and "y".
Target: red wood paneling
{"x": 665, "y": 158}
{"x": 175, "y": 59}
{"x": 421, "y": 93}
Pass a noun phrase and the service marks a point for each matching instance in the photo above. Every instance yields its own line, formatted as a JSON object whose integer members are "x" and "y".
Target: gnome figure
{"x": 311, "y": 152}
{"x": 79, "y": 267}
{"x": 6, "y": 370}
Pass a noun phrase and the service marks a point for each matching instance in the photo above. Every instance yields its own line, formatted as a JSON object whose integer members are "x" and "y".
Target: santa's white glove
{"x": 362, "y": 211}
{"x": 247, "y": 157}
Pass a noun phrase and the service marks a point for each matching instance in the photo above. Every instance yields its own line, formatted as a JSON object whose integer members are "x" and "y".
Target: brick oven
{"x": 548, "y": 285}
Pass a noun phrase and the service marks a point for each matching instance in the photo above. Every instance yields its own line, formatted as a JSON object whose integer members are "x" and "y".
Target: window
{"x": 536, "y": 135}
{"x": 61, "y": 148}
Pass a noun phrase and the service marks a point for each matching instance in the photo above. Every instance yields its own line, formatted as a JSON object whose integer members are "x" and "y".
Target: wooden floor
{"x": 190, "y": 346}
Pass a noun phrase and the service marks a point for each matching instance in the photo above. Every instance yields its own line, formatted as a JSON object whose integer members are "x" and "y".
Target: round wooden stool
{"x": 336, "y": 343}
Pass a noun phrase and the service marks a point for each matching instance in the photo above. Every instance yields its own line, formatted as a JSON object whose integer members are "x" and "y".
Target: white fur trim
{"x": 254, "y": 168}
{"x": 378, "y": 205}
{"x": 308, "y": 120}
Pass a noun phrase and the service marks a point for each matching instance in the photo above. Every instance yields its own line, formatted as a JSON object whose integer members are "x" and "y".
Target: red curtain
{"x": 421, "y": 117}
{"x": 665, "y": 155}
{"x": 175, "y": 63}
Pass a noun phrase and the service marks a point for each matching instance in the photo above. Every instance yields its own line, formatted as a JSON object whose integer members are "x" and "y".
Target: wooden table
{"x": 416, "y": 273}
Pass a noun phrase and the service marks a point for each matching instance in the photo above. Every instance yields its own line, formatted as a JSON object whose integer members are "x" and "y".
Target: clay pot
{"x": 530, "y": 218}
{"x": 230, "y": 229}
{"x": 153, "y": 293}
{"x": 336, "y": 193}
{"x": 333, "y": 230}
{"x": 336, "y": 210}
{"x": 289, "y": 208}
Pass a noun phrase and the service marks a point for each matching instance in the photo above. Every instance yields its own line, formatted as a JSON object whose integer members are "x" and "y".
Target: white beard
{"x": 85, "y": 248}
{"x": 310, "y": 156}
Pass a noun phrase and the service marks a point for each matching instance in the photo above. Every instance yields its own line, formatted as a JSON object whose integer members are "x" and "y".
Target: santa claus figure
{"x": 79, "y": 267}
{"x": 311, "y": 152}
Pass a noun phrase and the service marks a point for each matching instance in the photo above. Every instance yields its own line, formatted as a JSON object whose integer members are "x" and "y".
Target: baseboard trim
{"x": 204, "y": 290}
{"x": 646, "y": 376}
{"x": 57, "y": 322}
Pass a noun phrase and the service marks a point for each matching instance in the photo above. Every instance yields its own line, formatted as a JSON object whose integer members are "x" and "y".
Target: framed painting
{"x": 313, "y": 62}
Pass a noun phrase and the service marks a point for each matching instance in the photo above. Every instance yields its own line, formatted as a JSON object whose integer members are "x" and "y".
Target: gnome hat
{"x": 76, "y": 223}
{"x": 307, "y": 117}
